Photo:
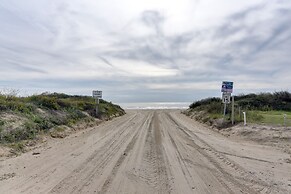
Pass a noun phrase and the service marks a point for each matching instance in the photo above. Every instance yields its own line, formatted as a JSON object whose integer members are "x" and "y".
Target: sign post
{"x": 227, "y": 89}
{"x": 232, "y": 111}
{"x": 224, "y": 110}
{"x": 97, "y": 95}
{"x": 225, "y": 100}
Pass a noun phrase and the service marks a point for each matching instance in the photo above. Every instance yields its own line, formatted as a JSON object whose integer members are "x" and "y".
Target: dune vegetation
{"x": 262, "y": 108}
{"x": 24, "y": 118}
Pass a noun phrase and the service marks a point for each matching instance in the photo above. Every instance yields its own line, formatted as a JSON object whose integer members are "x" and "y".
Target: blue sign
{"x": 227, "y": 87}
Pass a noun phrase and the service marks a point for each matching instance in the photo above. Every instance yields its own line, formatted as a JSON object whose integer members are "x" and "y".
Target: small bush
{"x": 45, "y": 101}
{"x": 76, "y": 114}
{"x": 205, "y": 102}
{"x": 29, "y": 125}
{"x": 57, "y": 120}
{"x": 59, "y": 129}
{"x": 2, "y": 122}
{"x": 63, "y": 103}
{"x": 58, "y": 132}
{"x": 18, "y": 135}
{"x": 18, "y": 147}
{"x": 42, "y": 123}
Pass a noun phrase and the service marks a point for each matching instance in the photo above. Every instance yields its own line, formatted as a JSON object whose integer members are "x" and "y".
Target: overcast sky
{"x": 145, "y": 51}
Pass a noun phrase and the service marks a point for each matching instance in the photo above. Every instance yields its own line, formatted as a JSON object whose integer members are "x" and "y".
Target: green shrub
{"x": 61, "y": 109}
{"x": 42, "y": 123}
{"x": 57, "y": 120}
{"x": 59, "y": 129}
{"x": 63, "y": 103}
{"x": 2, "y": 122}
{"x": 16, "y": 105}
{"x": 29, "y": 125}
{"x": 18, "y": 147}
{"x": 7, "y": 137}
{"x": 263, "y": 101}
{"x": 75, "y": 114}
{"x": 204, "y": 102}
{"x": 45, "y": 101}
{"x": 18, "y": 135}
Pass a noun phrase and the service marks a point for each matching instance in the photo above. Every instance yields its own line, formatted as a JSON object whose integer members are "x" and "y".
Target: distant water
{"x": 155, "y": 105}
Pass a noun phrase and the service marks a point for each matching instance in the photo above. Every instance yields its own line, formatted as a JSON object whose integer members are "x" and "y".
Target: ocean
{"x": 155, "y": 105}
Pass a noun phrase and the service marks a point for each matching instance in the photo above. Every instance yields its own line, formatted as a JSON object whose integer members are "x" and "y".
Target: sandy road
{"x": 148, "y": 151}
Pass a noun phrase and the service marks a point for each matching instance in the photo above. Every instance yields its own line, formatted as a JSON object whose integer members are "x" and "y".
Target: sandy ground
{"x": 274, "y": 136}
{"x": 148, "y": 151}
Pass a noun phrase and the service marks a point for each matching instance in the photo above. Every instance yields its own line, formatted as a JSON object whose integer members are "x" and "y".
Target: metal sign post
{"x": 224, "y": 110}
{"x": 225, "y": 100}
{"x": 226, "y": 89}
{"x": 97, "y": 94}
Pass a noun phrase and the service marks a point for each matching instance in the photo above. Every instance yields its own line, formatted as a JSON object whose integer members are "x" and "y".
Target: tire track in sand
{"x": 88, "y": 172}
{"x": 223, "y": 164}
{"x": 155, "y": 173}
{"x": 121, "y": 159}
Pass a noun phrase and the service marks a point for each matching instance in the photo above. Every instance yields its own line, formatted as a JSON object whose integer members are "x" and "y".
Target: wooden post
{"x": 232, "y": 111}
{"x": 97, "y": 106}
{"x": 224, "y": 110}
{"x": 245, "y": 118}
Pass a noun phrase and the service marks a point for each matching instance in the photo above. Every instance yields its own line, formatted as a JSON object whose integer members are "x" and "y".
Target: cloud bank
{"x": 145, "y": 51}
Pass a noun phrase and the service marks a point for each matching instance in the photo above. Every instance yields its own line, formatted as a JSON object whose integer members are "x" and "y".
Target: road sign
{"x": 227, "y": 86}
{"x": 97, "y": 94}
{"x": 226, "y": 97}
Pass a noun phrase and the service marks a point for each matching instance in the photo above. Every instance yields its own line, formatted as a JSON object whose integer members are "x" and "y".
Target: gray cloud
{"x": 68, "y": 50}
{"x": 153, "y": 19}
{"x": 105, "y": 61}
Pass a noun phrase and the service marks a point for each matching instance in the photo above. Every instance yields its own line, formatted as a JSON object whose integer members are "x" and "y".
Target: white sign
{"x": 97, "y": 94}
{"x": 226, "y": 97}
